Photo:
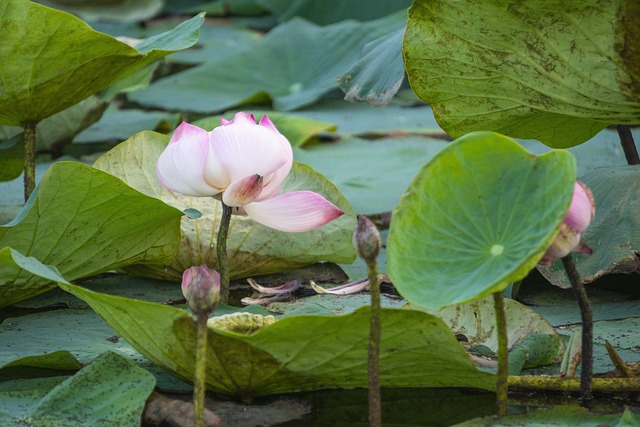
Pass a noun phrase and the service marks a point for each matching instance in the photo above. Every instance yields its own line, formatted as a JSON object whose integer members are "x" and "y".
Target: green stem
{"x": 503, "y": 355}
{"x": 200, "y": 376}
{"x": 221, "y": 248}
{"x": 29, "y": 139}
{"x": 586, "y": 373}
{"x": 375, "y": 399}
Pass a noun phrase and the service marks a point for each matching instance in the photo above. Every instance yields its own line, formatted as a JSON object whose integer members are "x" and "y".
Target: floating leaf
{"x": 555, "y": 71}
{"x": 298, "y": 130}
{"x": 615, "y": 231}
{"x": 296, "y": 353}
{"x": 379, "y": 72}
{"x": 298, "y": 63}
{"x": 80, "y": 400}
{"x": 82, "y": 221}
{"x": 330, "y": 11}
{"x": 478, "y": 216}
{"x": 111, "y": 10}
{"x": 76, "y": 63}
{"x": 253, "y": 248}
{"x": 557, "y": 416}
{"x": 532, "y": 340}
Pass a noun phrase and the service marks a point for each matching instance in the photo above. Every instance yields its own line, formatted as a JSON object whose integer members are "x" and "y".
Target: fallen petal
{"x": 263, "y": 301}
{"x": 294, "y": 212}
{"x": 283, "y": 289}
{"x": 347, "y": 289}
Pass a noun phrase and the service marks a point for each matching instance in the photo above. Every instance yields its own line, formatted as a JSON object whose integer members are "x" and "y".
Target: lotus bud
{"x": 367, "y": 239}
{"x": 580, "y": 214}
{"x": 201, "y": 288}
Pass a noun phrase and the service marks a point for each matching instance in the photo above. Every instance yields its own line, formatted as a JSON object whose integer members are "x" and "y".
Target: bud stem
{"x": 503, "y": 355}
{"x": 29, "y": 139}
{"x": 586, "y": 374}
{"x": 375, "y": 399}
{"x": 221, "y": 248}
{"x": 200, "y": 376}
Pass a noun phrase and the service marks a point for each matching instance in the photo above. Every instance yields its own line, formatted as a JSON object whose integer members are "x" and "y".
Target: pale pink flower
{"x": 580, "y": 214}
{"x": 244, "y": 164}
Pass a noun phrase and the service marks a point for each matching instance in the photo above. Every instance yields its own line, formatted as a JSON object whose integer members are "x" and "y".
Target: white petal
{"x": 181, "y": 165}
{"x": 295, "y": 211}
{"x": 245, "y": 148}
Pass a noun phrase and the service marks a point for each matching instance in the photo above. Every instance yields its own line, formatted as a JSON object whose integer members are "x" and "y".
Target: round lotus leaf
{"x": 478, "y": 216}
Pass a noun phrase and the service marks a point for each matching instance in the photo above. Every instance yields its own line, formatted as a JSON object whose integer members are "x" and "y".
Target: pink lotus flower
{"x": 245, "y": 164}
{"x": 580, "y": 214}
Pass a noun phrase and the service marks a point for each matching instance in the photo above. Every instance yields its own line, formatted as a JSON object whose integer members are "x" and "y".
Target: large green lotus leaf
{"x": 11, "y": 159}
{"x": 62, "y": 127}
{"x": 614, "y": 234}
{"x": 119, "y": 124}
{"x": 298, "y": 130}
{"x": 82, "y": 221}
{"x": 296, "y": 353}
{"x": 40, "y": 365}
{"x": 111, "y": 391}
{"x": 218, "y": 39}
{"x": 478, "y": 216}
{"x": 378, "y": 74}
{"x": 57, "y": 60}
{"x": 298, "y": 63}
{"x": 108, "y": 10}
{"x": 330, "y": 11}
{"x": 253, "y": 248}
{"x": 555, "y": 71}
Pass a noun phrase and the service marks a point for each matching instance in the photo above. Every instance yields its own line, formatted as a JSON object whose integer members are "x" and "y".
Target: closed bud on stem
{"x": 367, "y": 239}
{"x": 201, "y": 288}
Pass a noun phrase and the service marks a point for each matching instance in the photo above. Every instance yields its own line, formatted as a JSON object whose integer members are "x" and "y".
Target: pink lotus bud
{"x": 367, "y": 239}
{"x": 580, "y": 214}
{"x": 201, "y": 288}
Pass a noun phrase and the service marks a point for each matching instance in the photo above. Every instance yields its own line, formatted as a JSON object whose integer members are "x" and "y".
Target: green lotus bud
{"x": 367, "y": 239}
{"x": 201, "y": 288}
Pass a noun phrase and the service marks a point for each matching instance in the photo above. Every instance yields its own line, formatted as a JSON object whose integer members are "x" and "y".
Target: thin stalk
{"x": 199, "y": 380}
{"x": 503, "y": 355}
{"x": 221, "y": 249}
{"x": 586, "y": 374}
{"x": 375, "y": 398}
{"x": 628, "y": 145}
{"x": 29, "y": 139}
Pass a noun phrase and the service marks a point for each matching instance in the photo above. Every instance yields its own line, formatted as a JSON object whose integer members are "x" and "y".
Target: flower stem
{"x": 375, "y": 399}
{"x": 586, "y": 374}
{"x": 628, "y": 145}
{"x": 503, "y": 355}
{"x": 29, "y": 139}
{"x": 199, "y": 379}
{"x": 221, "y": 248}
